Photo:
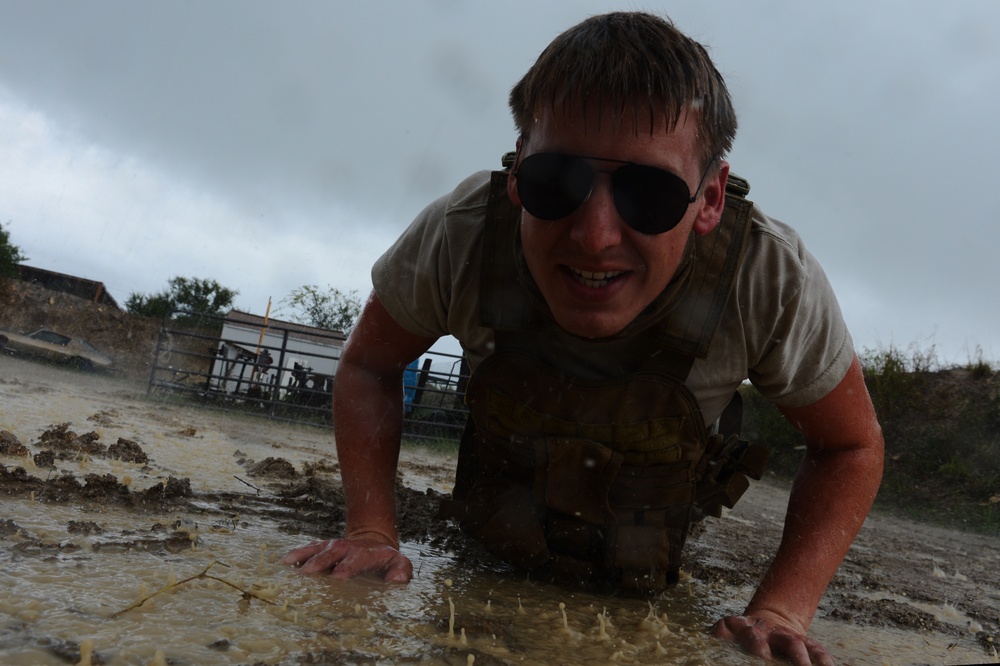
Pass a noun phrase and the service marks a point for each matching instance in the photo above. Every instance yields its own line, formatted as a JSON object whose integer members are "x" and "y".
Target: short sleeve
{"x": 803, "y": 349}
{"x": 428, "y": 280}
{"x": 782, "y": 328}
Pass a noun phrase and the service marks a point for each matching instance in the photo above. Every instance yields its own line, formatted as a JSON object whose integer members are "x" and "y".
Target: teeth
{"x": 596, "y": 279}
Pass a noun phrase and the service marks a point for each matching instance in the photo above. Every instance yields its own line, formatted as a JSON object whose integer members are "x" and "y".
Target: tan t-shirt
{"x": 782, "y": 328}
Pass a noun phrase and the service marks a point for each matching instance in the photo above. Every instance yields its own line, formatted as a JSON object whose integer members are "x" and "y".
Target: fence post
{"x": 154, "y": 366}
{"x": 422, "y": 376}
{"x": 463, "y": 382}
{"x": 278, "y": 376}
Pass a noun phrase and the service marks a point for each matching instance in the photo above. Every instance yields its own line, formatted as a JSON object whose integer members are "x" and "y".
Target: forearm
{"x": 367, "y": 413}
{"x": 830, "y": 499}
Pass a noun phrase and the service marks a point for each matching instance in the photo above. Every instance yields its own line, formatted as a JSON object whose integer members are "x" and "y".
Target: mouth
{"x": 594, "y": 279}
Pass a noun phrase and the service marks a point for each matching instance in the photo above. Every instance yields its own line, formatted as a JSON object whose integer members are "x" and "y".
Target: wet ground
{"x": 137, "y": 531}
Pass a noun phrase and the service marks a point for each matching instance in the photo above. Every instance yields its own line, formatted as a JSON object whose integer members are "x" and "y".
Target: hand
{"x": 769, "y": 638}
{"x": 346, "y": 558}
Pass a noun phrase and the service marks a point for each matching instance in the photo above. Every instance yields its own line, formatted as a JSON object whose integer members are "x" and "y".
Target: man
{"x": 611, "y": 297}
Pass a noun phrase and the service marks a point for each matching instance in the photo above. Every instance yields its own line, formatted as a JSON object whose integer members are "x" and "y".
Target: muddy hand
{"x": 772, "y": 641}
{"x": 343, "y": 558}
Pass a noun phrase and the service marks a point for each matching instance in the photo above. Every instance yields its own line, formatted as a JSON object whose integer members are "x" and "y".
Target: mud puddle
{"x": 112, "y": 499}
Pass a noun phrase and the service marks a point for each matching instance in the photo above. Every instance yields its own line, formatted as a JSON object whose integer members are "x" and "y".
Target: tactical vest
{"x": 595, "y": 478}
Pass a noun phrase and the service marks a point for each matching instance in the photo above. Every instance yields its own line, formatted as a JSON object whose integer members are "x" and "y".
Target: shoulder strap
{"x": 504, "y": 301}
{"x": 718, "y": 255}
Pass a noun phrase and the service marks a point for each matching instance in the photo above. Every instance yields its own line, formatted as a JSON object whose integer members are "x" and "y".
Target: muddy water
{"x": 72, "y": 574}
{"x": 64, "y": 596}
{"x": 67, "y": 595}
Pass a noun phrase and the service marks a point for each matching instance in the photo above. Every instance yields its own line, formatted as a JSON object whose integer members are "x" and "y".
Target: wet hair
{"x": 624, "y": 61}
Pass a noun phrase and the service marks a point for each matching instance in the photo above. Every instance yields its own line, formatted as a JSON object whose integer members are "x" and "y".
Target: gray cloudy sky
{"x": 272, "y": 145}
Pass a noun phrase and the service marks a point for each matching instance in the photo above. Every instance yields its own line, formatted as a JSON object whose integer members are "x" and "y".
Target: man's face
{"x": 595, "y": 272}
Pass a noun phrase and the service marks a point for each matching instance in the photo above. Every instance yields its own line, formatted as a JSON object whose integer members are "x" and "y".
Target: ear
{"x": 512, "y": 177}
{"x": 712, "y": 201}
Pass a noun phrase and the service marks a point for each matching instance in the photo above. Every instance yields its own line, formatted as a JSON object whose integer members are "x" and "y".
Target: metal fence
{"x": 285, "y": 371}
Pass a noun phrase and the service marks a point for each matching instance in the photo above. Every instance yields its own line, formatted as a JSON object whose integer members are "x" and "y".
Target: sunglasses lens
{"x": 650, "y": 200}
{"x": 552, "y": 186}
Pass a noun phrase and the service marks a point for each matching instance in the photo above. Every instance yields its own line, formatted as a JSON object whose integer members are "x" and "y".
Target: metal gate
{"x": 285, "y": 371}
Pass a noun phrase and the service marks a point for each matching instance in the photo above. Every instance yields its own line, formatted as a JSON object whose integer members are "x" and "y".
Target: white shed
{"x": 274, "y": 357}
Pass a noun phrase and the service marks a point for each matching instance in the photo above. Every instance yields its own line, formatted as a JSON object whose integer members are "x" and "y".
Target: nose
{"x": 596, "y": 223}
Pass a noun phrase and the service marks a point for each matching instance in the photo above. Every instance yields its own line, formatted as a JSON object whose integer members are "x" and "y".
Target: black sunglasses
{"x": 651, "y": 200}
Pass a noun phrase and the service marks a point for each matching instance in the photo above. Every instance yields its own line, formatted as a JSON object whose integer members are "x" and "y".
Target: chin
{"x": 591, "y": 327}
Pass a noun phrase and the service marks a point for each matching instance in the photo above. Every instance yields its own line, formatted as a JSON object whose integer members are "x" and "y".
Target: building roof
{"x": 297, "y": 331}
{"x": 80, "y": 287}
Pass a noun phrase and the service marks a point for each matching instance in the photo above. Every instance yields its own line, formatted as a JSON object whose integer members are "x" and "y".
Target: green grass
{"x": 942, "y": 437}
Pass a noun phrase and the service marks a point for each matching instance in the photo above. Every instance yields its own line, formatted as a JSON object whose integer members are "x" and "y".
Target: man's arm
{"x": 831, "y": 496}
{"x": 368, "y": 418}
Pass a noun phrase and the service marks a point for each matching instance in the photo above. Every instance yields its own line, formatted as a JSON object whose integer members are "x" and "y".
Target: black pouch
{"x": 573, "y": 476}
{"x": 500, "y": 513}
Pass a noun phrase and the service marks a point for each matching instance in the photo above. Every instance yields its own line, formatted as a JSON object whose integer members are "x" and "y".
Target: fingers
{"x": 327, "y": 558}
{"x": 748, "y": 633}
{"x": 799, "y": 649}
{"x": 351, "y": 562}
{"x": 400, "y": 570}
{"x": 299, "y": 555}
{"x": 358, "y": 560}
{"x": 820, "y": 655}
{"x": 767, "y": 640}
{"x": 343, "y": 558}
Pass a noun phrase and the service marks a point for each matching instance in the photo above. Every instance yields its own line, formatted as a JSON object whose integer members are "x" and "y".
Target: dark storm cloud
{"x": 306, "y": 135}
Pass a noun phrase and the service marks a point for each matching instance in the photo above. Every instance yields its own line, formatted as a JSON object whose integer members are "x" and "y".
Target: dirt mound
{"x": 62, "y": 443}
{"x": 129, "y": 340}
{"x": 277, "y": 468}
{"x": 104, "y": 489}
{"x": 10, "y": 445}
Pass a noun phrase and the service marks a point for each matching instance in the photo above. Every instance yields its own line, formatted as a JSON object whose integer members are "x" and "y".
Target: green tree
{"x": 332, "y": 309}
{"x": 195, "y": 294}
{"x": 10, "y": 255}
{"x": 149, "y": 305}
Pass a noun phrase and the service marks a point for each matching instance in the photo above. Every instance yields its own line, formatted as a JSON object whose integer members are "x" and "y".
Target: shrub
{"x": 942, "y": 436}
